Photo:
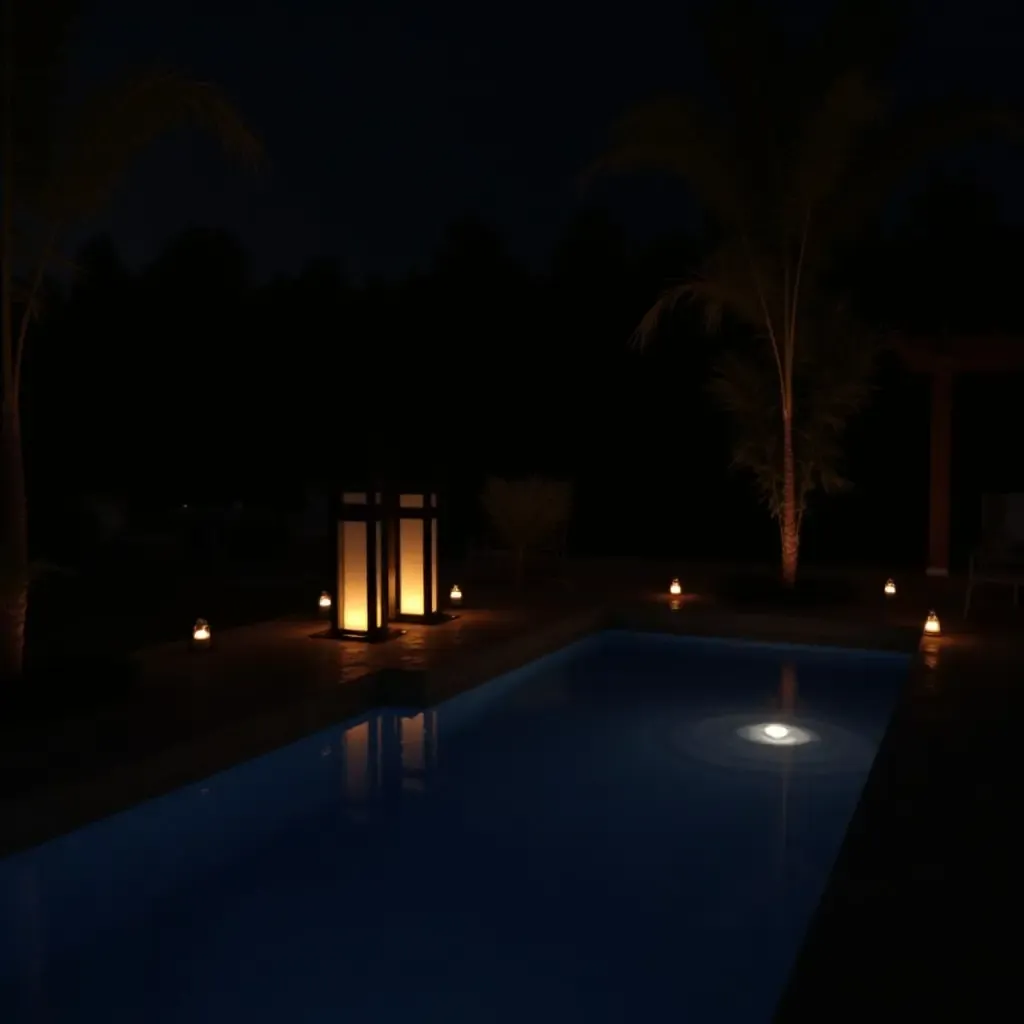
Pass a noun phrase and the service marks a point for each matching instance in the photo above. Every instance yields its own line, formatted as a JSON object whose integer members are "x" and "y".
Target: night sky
{"x": 384, "y": 121}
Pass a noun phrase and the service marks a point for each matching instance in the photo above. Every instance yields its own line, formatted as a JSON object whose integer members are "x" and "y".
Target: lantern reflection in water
{"x": 387, "y": 753}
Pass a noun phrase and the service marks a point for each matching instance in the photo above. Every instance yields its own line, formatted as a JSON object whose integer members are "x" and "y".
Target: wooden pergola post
{"x": 942, "y": 359}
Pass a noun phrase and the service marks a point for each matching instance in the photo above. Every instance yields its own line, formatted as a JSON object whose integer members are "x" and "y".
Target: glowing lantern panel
{"x": 360, "y": 580}
{"x": 675, "y": 588}
{"x": 931, "y": 624}
{"x": 890, "y": 588}
{"x": 416, "y": 543}
{"x": 201, "y": 630}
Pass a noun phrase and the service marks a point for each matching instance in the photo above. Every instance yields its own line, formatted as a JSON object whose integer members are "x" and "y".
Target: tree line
{"x": 171, "y": 379}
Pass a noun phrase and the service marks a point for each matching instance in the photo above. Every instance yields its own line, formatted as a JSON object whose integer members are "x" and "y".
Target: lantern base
{"x": 378, "y": 636}
{"x": 425, "y": 620}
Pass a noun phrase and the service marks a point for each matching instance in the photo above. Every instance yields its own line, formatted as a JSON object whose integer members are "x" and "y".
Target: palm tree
{"x": 800, "y": 149}
{"x": 59, "y": 163}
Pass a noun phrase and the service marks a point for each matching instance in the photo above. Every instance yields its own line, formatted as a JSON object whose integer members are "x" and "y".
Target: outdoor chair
{"x": 999, "y": 558}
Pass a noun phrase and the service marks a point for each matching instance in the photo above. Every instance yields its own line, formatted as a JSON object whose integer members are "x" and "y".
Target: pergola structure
{"x": 942, "y": 359}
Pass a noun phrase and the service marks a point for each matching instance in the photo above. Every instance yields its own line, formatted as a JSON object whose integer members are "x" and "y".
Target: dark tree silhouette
{"x": 60, "y": 162}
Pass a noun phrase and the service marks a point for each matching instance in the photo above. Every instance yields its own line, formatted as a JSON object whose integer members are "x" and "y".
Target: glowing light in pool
{"x": 775, "y": 734}
{"x": 931, "y": 624}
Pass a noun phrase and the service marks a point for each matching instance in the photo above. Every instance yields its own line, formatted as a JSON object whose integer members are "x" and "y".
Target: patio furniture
{"x": 999, "y": 558}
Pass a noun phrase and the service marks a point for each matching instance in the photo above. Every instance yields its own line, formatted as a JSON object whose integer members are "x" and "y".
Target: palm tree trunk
{"x": 789, "y": 527}
{"x": 13, "y": 510}
{"x": 13, "y": 546}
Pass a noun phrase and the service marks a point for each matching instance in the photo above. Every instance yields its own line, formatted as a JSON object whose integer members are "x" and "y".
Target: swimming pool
{"x": 595, "y": 837}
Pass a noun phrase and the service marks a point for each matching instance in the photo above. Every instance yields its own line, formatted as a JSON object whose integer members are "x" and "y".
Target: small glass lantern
{"x": 890, "y": 588}
{"x": 675, "y": 588}
{"x": 201, "y": 631}
{"x": 456, "y": 595}
{"x": 931, "y": 624}
{"x": 325, "y": 599}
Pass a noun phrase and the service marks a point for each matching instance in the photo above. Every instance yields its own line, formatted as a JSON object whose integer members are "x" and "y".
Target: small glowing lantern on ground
{"x": 414, "y": 548}
{"x": 931, "y": 624}
{"x": 675, "y": 588}
{"x": 325, "y": 599}
{"x": 201, "y": 631}
{"x": 361, "y": 610}
{"x": 890, "y": 588}
{"x": 456, "y": 595}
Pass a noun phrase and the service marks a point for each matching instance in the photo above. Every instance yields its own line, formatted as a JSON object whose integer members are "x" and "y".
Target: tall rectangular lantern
{"x": 415, "y": 558}
{"x": 361, "y": 608}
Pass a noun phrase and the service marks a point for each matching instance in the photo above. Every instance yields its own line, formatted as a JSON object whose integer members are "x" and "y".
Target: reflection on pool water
{"x": 592, "y": 838}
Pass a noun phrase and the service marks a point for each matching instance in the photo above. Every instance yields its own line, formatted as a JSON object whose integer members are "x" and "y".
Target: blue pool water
{"x": 592, "y": 838}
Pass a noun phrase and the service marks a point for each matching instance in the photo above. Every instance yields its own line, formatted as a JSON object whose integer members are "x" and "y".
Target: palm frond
{"x": 652, "y": 319}
{"x": 829, "y": 141}
{"x": 833, "y": 369}
{"x": 737, "y": 280}
{"x": 674, "y": 136}
{"x": 906, "y": 140}
{"x": 111, "y": 128}
{"x": 745, "y": 385}
{"x": 732, "y": 282}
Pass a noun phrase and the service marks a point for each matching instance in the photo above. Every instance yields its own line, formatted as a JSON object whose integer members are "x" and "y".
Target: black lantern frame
{"x": 359, "y": 545}
{"x": 413, "y": 573}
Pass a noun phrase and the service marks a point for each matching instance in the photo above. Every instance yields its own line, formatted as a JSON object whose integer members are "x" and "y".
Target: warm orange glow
{"x": 410, "y": 558}
{"x": 359, "y": 552}
{"x": 379, "y": 613}
{"x": 675, "y": 588}
{"x": 432, "y": 525}
{"x": 352, "y": 577}
{"x": 356, "y": 745}
{"x": 325, "y": 599}
{"x": 201, "y": 630}
{"x": 890, "y": 587}
{"x": 931, "y": 624}
{"x": 417, "y": 542}
{"x": 414, "y": 747}
{"x": 456, "y": 595}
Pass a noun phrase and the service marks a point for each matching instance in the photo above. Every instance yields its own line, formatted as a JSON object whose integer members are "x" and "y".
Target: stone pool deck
{"x": 919, "y": 920}
{"x": 196, "y": 711}
{"x": 913, "y": 921}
